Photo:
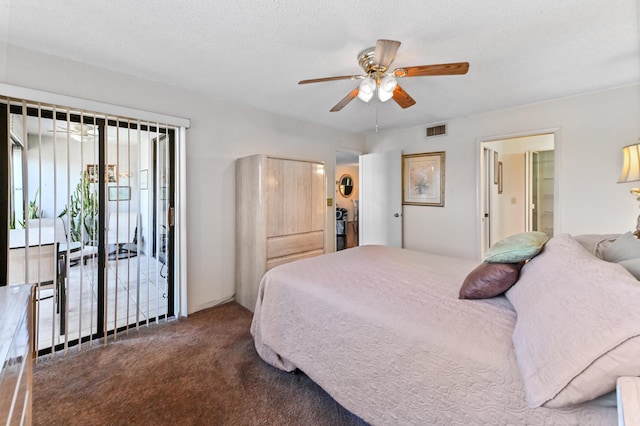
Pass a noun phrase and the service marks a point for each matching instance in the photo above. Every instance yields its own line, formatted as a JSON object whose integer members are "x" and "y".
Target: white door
{"x": 380, "y": 215}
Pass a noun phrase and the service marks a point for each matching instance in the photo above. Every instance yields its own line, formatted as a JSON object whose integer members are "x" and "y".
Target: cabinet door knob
{"x": 396, "y": 215}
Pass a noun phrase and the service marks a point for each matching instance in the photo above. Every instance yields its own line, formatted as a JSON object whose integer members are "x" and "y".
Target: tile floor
{"x": 136, "y": 292}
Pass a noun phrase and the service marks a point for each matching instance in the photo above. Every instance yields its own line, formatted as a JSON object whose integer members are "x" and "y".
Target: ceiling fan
{"x": 375, "y": 62}
{"x": 77, "y": 131}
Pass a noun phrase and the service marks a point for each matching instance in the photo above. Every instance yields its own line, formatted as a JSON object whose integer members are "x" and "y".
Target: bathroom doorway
{"x": 518, "y": 186}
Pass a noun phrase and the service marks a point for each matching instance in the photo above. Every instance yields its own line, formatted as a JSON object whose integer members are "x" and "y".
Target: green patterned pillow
{"x": 516, "y": 248}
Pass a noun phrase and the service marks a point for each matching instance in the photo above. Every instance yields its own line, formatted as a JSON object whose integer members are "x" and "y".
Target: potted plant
{"x": 82, "y": 212}
{"x": 33, "y": 213}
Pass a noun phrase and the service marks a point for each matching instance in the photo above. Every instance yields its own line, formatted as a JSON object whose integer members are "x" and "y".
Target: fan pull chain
{"x": 376, "y": 118}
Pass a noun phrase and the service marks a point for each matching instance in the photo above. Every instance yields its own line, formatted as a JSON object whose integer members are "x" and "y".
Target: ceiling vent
{"x": 439, "y": 130}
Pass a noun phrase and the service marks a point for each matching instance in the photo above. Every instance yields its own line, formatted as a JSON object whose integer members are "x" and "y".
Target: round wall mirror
{"x": 346, "y": 186}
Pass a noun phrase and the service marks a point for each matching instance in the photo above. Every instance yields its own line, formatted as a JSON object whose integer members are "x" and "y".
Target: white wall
{"x": 593, "y": 128}
{"x": 511, "y": 201}
{"x": 220, "y": 132}
{"x": 40, "y": 157}
{"x": 73, "y": 161}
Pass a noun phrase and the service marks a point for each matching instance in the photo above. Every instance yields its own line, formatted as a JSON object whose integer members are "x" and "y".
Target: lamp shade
{"x": 631, "y": 164}
{"x": 366, "y": 89}
{"x": 387, "y": 86}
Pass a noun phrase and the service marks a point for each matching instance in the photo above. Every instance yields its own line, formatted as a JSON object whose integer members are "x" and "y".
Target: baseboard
{"x": 211, "y": 304}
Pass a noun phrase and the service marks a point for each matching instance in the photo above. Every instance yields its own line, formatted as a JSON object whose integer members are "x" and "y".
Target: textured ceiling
{"x": 255, "y": 52}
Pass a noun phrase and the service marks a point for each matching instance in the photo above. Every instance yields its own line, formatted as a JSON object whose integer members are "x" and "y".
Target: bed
{"x": 384, "y": 332}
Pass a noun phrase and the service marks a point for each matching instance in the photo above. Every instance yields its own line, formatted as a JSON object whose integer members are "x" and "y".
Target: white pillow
{"x": 578, "y": 325}
{"x": 632, "y": 266}
{"x": 625, "y": 247}
{"x": 596, "y": 243}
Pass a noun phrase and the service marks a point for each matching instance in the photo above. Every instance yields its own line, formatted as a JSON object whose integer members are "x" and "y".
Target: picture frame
{"x": 112, "y": 176}
{"x": 500, "y": 177}
{"x": 93, "y": 173}
{"x": 423, "y": 178}
{"x": 495, "y": 167}
{"x": 144, "y": 179}
{"x": 119, "y": 193}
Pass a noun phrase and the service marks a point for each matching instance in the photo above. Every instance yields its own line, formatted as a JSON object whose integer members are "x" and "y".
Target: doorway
{"x": 518, "y": 186}
{"x": 98, "y": 192}
{"x": 347, "y": 196}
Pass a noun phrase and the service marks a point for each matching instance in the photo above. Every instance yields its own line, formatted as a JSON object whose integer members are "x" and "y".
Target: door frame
{"x": 5, "y": 161}
{"x": 529, "y": 216}
{"x": 356, "y": 156}
{"x": 485, "y": 218}
{"x": 168, "y": 239}
{"x": 482, "y": 184}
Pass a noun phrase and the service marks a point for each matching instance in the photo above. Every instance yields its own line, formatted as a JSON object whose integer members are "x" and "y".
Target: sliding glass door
{"x": 90, "y": 219}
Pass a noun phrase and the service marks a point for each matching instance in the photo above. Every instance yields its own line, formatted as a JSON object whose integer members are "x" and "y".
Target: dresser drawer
{"x": 272, "y": 263}
{"x": 292, "y": 244}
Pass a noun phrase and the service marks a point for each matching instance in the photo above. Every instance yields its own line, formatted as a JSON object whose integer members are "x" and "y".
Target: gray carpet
{"x": 202, "y": 370}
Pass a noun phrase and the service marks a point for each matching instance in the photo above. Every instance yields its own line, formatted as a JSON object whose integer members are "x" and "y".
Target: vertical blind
{"x": 90, "y": 197}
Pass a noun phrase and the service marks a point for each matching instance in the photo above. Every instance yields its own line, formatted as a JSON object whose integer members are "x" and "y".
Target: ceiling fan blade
{"x": 352, "y": 94}
{"x": 402, "y": 98}
{"x": 385, "y": 52}
{"x": 341, "y": 77}
{"x": 438, "y": 69}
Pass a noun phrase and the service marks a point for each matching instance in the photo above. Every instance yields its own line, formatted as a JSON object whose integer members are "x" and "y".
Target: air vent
{"x": 438, "y": 130}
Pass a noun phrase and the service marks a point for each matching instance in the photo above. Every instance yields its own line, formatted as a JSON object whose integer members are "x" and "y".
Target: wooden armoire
{"x": 280, "y": 217}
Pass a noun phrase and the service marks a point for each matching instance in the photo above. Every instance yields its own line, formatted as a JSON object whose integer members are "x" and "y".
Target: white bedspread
{"x": 383, "y": 332}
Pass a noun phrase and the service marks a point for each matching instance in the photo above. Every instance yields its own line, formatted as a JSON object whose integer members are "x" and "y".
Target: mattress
{"x": 382, "y": 331}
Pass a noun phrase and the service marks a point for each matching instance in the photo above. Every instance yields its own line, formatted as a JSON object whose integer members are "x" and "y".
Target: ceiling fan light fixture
{"x": 366, "y": 89}
{"x": 387, "y": 86}
{"x": 375, "y": 62}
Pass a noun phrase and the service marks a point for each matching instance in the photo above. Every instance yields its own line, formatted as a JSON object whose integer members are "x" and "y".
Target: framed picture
{"x": 92, "y": 173}
{"x": 119, "y": 193}
{"x": 499, "y": 177}
{"x": 423, "y": 179}
{"x": 495, "y": 167}
{"x": 112, "y": 176}
{"x": 93, "y": 170}
{"x": 144, "y": 179}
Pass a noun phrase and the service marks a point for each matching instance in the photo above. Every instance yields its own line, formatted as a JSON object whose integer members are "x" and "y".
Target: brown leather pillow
{"x": 490, "y": 280}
